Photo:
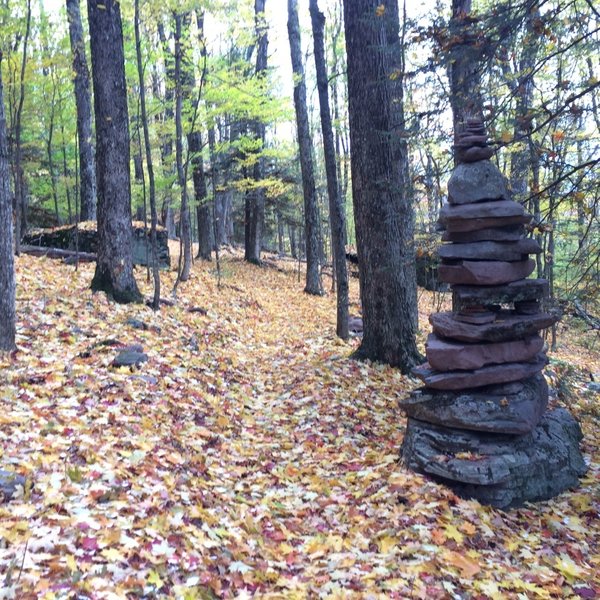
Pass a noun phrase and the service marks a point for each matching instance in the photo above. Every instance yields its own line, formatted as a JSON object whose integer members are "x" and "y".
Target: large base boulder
{"x": 500, "y": 470}
{"x": 513, "y": 408}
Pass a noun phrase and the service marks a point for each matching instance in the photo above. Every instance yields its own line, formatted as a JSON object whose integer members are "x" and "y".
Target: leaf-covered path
{"x": 247, "y": 456}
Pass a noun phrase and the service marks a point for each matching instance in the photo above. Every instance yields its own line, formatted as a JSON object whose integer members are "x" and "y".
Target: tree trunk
{"x": 292, "y": 234}
{"x": 203, "y": 212}
{"x": 311, "y": 213}
{"x": 336, "y": 212}
{"x": 149, "y": 162}
{"x": 255, "y": 198}
{"x": 221, "y": 195}
{"x": 66, "y": 171}
{"x": 382, "y": 209}
{"x": 184, "y": 215}
{"x": 464, "y": 68}
{"x": 114, "y": 267}
{"x": 280, "y": 233}
{"x": 20, "y": 192}
{"x": 53, "y": 181}
{"x": 7, "y": 269}
{"x": 523, "y": 91}
{"x": 203, "y": 209}
{"x": 166, "y": 147}
{"x": 83, "y": 102}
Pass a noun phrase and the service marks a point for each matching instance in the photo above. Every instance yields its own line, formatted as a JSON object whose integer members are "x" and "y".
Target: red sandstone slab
{"x": 497, "y": 234}
{"x": 488, "y": 250}
{"x": 485, "y": 272}
{"x": 518, "y": 291}
{"x": 446, "y": 355}
{"x": 465, "y": 225}
{"x": 507, "y": 326}
{"x": 490, "y": 375}
{"x": 480, "y": 210}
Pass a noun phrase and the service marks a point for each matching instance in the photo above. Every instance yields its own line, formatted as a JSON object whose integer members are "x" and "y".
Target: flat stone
{"x": 473, "y": 154}
{"x": 476, "y": 181}
{"x": 446, "y": 355}
{"x": 476, "y": 317}
{"x": 488, "y": 375}
{"x": 466, "y": 140}
{"x": 480, "y": 210}
{"x": 505, "y": 408}
{"x": 507, "y": 326}
{"x": 496, "y": 234}
{"x": 504, "y": 251}
{"x": 500, "y": 470}
{"x": 10, "y": 483}
{"x": 528, "y": 307}
{"x": 465, "y": 225}
{"x": 137, "y": 323}
{"x": 486, "y": 272}
{"x": 517, "y": 291}
{"x": 129, "y": 358}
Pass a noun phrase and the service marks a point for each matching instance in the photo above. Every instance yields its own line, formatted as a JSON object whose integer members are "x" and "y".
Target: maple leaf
{"x": 155, "y": 580}
{"x": 452, "y": 533}
{"x": 569, "y": 568}
{"x": 386, "y": 543}
{"x": 467, "y": 566}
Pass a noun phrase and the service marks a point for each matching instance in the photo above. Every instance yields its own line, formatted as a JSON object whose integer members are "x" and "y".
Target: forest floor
{"x": 250, "y": 456}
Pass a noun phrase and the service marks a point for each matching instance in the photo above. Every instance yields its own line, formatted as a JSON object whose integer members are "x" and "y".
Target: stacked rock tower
{"x": 480, "y": 424}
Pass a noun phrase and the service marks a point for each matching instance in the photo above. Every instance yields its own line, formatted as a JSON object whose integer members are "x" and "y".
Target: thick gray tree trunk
{"x": 311, "y": 213}
{"x": 382, "y": 208}
{"x": 336, "y": 208}
{"x": 114, "y": 267}
{"x": 523, "y": 88}
{"x": 464, "y": 68}
{"x": 83, "y": 101}
{"x": 7, "y": 269}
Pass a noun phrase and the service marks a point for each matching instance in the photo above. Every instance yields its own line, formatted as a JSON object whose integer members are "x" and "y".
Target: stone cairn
{"x": 480, "y": 423}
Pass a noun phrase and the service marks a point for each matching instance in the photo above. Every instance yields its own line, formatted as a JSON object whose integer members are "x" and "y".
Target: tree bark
{"x": 149, "y": 162}
{"x": 20, "y": 192}
{"x": 464, "y": 68}
{"x": 311, "y": 213}
{"x": 114, "y": 267}
{"x": 7, "y": 269}
{"x": 83, "y": 102}
{"x": 166, "y": 148}
{"x": 195, "y": 145}
{"x": 203, "y": 212}
{"x": 255, "y": 198}
{"x": 184, "y": 215}
{"x": 382, "y": 208}
{"x": 336, "y": 210}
